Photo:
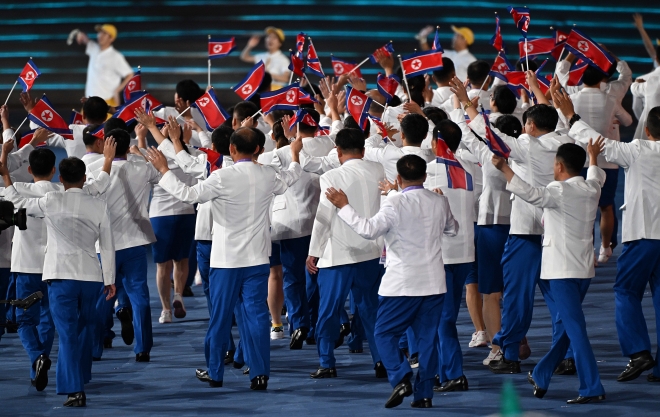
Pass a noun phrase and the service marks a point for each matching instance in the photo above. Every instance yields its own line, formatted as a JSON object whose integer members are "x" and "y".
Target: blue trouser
{"x": 204, "y": 265}
{"x": 395, "y": 315}
{"x": 356, "y": 338}
{"x": 450, "y": 356}
{"x": 4, "y": 294}
{"x": 408, "y": 343}
{"x": 227, "y": 286}
{"x": 293, "y": 254}
{"x": 312, "y": 288}
{"x": 521, "y": 264}
{"x": 638, "y": 265}
{"x": 564, "y": 298}
{"x": 35, "y": 326}
{"x": 11, "y": 295}
{"x": 490, "y": 245}
{"x": 73, "y": 307}
{"x": 363, "y": 280}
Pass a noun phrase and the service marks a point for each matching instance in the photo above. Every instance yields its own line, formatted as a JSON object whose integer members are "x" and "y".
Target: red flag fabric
{"x": 421, "y": 63}
{"x": 584, "y": 47}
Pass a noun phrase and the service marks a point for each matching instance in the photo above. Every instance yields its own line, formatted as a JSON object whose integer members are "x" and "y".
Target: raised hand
{"x": 386, "y": 186}
{"x": 173, "y": 129}
{"x": 40, "y": 136}
{"x": 27, "y": 101}
{"x": 157, "y": 159}
{"x": 148, "y": 120}
{"x": 563, "y": 102}
{"x": 594, "y": 148}
{"x": 358, "y": 83}
{"x": 109, "y": 148}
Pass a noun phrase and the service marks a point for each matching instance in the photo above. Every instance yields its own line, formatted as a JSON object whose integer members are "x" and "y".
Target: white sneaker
{"x": 605, "y": 254}
{"x": 277, "y": 333}
{"x": 493, "y": 356}
{"x": 179, "y": 309}
{"x": 165, "y": 317}
{"x": 479, "y": 339}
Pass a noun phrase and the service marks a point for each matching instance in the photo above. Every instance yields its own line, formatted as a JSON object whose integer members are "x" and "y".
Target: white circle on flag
{"x": 502, "y": 67}
{"x": 204, "y": 101}
{"x": 131, "y": 85}
{"x": 583, "y": 46}
{"x": 29, "y": 76}
{"x": 356, "y": 100}
{"x": 562, "y": 38}
{"x": 290, "y": 96}
{"x": 530, "y": 47}
{"x": 416, "y": 64}
{"x": 339, "y": 68}
{"x": 144, "y": 103}
{"x": 247, "y": 89}
{"x": 217, "y": 48}
{"x": 46, "y": 115}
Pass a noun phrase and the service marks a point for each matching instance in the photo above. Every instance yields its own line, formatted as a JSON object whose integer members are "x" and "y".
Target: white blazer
{"x": 240, "y": 197}
{"x": 413, "y": 223}
{"x": 460, "y": 248}
{"x": 390, "y": 154}
{"x": 333, "y": 241}
{"x": 650, "y": 92}
{"x": 569, "y": 212}
{"x": 640, "y": 160}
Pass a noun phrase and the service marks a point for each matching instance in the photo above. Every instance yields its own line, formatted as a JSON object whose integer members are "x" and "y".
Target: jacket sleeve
{"x": 107, "y": 248}
{"x": 371, "y": 228}
{"x": 322, "y": 228}
{"x": 544, "y": 197}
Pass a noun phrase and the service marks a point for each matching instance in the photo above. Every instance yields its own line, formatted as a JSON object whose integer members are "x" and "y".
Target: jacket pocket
{"x": 547, "y": 241}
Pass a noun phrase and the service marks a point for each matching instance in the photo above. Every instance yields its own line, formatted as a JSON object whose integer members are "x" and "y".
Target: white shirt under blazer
{"x": 569, "y": 212}
{"x": 413, "y": 223}
{"x": 640, "y": 160}
{"x": 240, "y": 197}
{"x": 333, "y": 241}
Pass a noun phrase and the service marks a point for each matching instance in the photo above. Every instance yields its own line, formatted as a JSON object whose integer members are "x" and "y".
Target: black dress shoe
{"x": 423, "y": 403}
{"x": 94, "y": 359}
{"x": 246, "y": 371}
{"x": 107, "y": 343}
{"x": 381, "y": 372}
{"x": 310, "y": 341}
{"x": 324, "y": 373}
{"x": 639, "y": 362}
{"x": 125, "y": 316}
{"x": 538, "y": 392}
{"x": 652, "y": 378}
{"x": 11, "y": 327}
{"x": 402, "y": 390}
{"x": 584, "y": 400}
{"x": 76, "y": 400}
{"x": 142, "y": 357}
{"x": 504, "y": 366}
{"x": 458, "y": 384}
{"x": 566, "y": 367}
{"x": 229, "y": 357}
{"x": 298, "y": 337}
{"x": 259, "y": 383}
{"x": 238, "y": 365}
{"x": 41, "y": 366}
{"x": 204, "y": 376}
{"x": 344, "y": 331}
{"x": 187, "y": 292}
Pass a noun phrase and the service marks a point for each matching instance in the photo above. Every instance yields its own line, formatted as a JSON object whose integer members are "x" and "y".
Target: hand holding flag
{"x": 26, "y": 78}
{"x": 457, "y": 176}
{"x": 494, "y": 142}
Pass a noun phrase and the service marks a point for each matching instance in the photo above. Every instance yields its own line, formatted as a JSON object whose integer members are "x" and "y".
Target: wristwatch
{"x": 574, "y": 119}
{"x": 468, "y": 104}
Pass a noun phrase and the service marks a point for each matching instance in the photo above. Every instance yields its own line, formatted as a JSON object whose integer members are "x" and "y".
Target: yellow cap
{"x": 465, "y": 32}
{"x": 109, "y": 29}
{"x": 277, "y": 31}
{"x": 657, "y": 41}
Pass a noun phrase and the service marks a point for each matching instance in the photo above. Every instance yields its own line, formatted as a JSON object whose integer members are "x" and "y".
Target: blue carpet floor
{"x": 167, "y": 385}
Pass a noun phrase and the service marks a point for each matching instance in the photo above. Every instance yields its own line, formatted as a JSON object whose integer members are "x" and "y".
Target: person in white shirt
{"x": 457, "y": 254}
{"x": 412, "y": 291}
{"x": 638, "y": 263}
{"x": 460, "y": 55}
{"x": 648, "y": 89}
{"x": 75, "y": 221}
{"x": 502, "y": 101}
{"x": 186, "y": 93}
{"x": 127, "y": 201}
{"x": 107, "y": 71}
{"x": 569, "y": 206}
{"x": 478, "y": 84}
{"x": 276, "y": 63}
{"x": 240, "y": 249}
{"x": 344, "y": 261}
{"x": 441, "y": 79}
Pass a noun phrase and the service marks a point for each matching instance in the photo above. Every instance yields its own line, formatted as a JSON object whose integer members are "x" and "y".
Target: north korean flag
{"x": 212, "y": 112}
{"x": 387, "y": 49}
{"x": 381, "y": 126}
{"x": 313, "y": 63}
{"x": 357, "y": 104}
{"x": 220, "y": 47}
{"x": 436, "y": 42}
{"x": 26, "y": 138}
{"x": 560, "y": 40}
{"x": 305, "y": 98}
{"x": 322, "y": 131}
{"x": 134, "y": 84}
{"x": 517, "y": 79}
{"x": 544, "y": 83}
{"x": 501, "y": 66}
{"x": 496, "y": 40}
{"x": 98, "y": 132}
{"x": 76, "y": 118}
{"x": 286, "y": 98}
{"x": 302, "y": 116}
{"x": 213, "y": 160}
{"x": 297, "y": 65}
{"x": 536, "y": 47}
{"x": 300, "y": 43}
{"x": 584, "y": 47}
{"x": 29, "y": 74}
{"x": 341, "y": 67}
{"x": 44, "y": 115}
{"x": 139, "y": 99}
{"x": 252, "y": 81}
{"x": 494, "y": 142}
{"x": 457, "y": 176}
{"x": 387, "y": 85}
{"x": 521, "y": 18}
{"x": 576, "y": 72}
{"x": 421, "y": 62}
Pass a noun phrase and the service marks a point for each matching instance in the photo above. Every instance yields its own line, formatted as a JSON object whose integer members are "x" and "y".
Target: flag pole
{"x": 405, "y": 80}
{"x": 320, "y": 66}
{"x": 358, "y": 65}
{"x": 255, "y": 115}
{"x": 11, "y": 91}
{"x": 291, "y": 75}
{"x": 526, "y": 55}
{"x": 209, "y": 70}
{"x": 181, "y": 114}
{"x": 18, "y": 128}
